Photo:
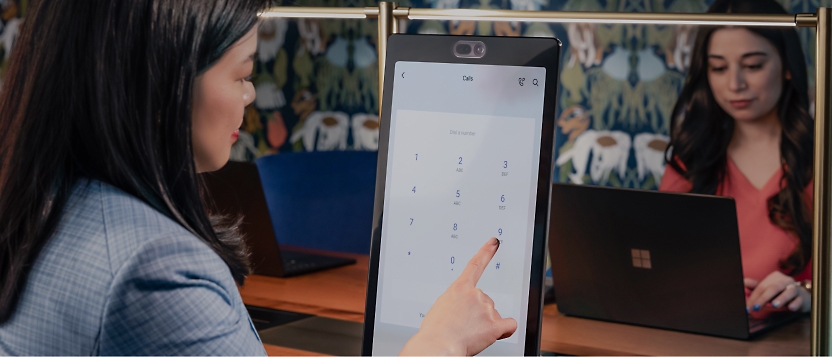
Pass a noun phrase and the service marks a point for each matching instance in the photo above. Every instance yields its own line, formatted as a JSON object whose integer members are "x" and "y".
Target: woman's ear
{"x": 788, "y": 75}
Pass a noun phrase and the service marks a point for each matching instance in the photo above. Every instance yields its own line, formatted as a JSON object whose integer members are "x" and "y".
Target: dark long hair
{"x": 701, "y": 130}
{"x": 102, "y": 90}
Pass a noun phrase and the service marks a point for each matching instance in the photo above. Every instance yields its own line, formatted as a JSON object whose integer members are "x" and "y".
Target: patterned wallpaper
{"x": 316, "y": 83}
{"x": 11, "y": 13}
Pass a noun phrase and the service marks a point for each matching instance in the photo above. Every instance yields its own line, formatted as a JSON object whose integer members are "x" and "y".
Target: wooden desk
{"x": 340, "y": 293}
{"x": 576, "y": 336}
{"x": 336, "y": 293}
{"x": 273, "y": 350}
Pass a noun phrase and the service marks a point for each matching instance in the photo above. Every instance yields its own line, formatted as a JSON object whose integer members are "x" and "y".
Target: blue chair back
{"x": 321, "y": 200}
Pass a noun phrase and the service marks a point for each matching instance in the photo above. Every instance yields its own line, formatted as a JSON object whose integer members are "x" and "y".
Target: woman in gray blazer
{"x": 108, "y": 111}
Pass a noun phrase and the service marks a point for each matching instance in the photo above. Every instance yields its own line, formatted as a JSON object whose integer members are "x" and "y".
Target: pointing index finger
{"x": 476, "y": 266}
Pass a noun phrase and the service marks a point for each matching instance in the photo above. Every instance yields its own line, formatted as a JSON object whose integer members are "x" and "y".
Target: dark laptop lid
{"x": 236, "y": 189}
{"x": 648, "y": 258}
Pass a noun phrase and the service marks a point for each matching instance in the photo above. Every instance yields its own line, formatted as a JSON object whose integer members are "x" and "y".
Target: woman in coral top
{"x": 742, "y": 128}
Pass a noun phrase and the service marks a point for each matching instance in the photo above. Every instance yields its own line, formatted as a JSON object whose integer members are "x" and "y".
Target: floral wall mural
{"x": 317, "y": 90}
{"x": 316, "y": 81}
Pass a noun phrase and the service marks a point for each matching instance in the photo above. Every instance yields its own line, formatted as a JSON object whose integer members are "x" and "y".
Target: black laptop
{"x": 652, "y": 258}
{"x": 237, "y": 189}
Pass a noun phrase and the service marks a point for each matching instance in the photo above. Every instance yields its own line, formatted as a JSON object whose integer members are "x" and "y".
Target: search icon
{"x": 534, "y": 81}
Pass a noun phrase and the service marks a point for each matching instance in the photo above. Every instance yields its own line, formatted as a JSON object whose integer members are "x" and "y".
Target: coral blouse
{"x": 763, "y": 243}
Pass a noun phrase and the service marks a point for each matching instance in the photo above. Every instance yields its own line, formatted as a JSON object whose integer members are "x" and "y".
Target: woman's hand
{"x": 463, "y": 320}
{"x": 781, "y": 290}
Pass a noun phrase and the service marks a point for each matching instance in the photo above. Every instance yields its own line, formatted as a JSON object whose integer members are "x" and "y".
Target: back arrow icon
{"x": 402, "y": 74}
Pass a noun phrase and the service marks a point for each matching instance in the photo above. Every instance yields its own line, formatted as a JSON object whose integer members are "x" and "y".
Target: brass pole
{"x": 543, "y": 16}
{"x": 603, "y": 17}
{"x": 298, "y": 12}
{"x": 823, "y": 182}
{"x": 386, "y": 27}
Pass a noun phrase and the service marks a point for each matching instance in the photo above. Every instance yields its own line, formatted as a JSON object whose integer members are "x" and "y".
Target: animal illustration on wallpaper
{"x": 363, "y": 54}
{"x": 609, "y": 150}
{"x": 533, "y": 29}
{"x": 9, "y": 35}
{"x": 529, "y": 5}
{"x": 583, "y": 46}
{"x": 10, "y": 26}
{"x": 310, "y": 34}
{"x": 324, "y": 131}
{"x": 444, "y": 4}
{"x": 677, "y": 54}
{"x": 251, "y": 143}
{"x": 462, "y": 27}
{"x": 276, "y": 132}
{"x": 365, "y": 132}
{"x": 270, "y": 38}
{"x": 344, "y": 73}
{"x": 303, "y": 104}
{"x": 631, "y": 89}
{"x": 650, "y": 159}
{"x": 269, "y": 97}
{"x": 10, "y": 9}
{"x": 502, "y": 28}
{"x": 244, "y": 148}
{"x": 573, "y": 122}
{"x": 515, "y": 28}
{"x": 620, "y": 79}
{"x": 618, "y": 65}
{"x": 497, "y": 28}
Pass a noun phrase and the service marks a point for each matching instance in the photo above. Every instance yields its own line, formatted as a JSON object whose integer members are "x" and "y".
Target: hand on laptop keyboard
{"x": 780, "y": 291}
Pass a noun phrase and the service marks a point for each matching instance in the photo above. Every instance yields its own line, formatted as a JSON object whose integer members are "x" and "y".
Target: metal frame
{"x": 388, "y": 15}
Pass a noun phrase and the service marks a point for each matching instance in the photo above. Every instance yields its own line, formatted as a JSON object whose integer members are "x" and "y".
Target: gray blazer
{"x": 119, "y": 278}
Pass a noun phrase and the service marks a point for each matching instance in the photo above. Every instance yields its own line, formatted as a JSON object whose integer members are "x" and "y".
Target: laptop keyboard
{"x": 295, "y": 263}
{"x": 754, "y": 323}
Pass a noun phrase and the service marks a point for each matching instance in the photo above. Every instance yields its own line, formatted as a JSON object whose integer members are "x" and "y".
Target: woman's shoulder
{"x": 108, "y": 218}
{"x": 131, "y": 223}
{"x": 674, "y": 181}
{"x": 163, "y": 268}
{"x": 108, "y": 206}
{"x": 115, "y": 268}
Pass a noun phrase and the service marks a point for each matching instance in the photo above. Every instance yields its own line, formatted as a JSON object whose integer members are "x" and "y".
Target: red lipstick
{"x": 741, "y": 104}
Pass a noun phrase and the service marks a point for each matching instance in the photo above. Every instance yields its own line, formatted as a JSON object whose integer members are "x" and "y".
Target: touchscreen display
{"x": 462, "y": 167}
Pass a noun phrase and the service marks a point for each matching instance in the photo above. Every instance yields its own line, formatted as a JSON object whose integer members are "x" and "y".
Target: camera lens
{"x": 463, "y": 48}
{"x": 479, "y": 49}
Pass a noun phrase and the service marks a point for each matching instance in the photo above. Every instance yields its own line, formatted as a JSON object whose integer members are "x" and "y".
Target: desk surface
{"x": 336, "y": 293}
{"x": 339, "y": 293}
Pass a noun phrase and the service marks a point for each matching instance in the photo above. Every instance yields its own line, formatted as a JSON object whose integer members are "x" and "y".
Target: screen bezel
{"x": 506, "y": 51}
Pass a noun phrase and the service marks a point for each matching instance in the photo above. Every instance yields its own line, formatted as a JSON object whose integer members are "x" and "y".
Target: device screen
{"x": 462, "y": 167}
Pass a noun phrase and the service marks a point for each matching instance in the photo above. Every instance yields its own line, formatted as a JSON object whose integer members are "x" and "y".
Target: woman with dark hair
{"x": 742, "y": 128}
{"x": 109, "y": 110}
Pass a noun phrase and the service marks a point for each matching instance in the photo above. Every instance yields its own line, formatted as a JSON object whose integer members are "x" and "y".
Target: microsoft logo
{"x": 641, "y": 258}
